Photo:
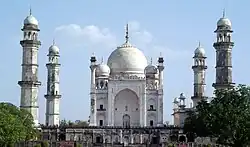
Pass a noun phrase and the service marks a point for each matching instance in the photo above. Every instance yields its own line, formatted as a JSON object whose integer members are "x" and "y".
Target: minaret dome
{"x": 199, "y": 51}
{"x": 102, "y": 70}
{"x": 54, "y": 49}
{"x": 223, "y": 21}
{"x": 30, "y": 20}
{"x": 151, "y": 69}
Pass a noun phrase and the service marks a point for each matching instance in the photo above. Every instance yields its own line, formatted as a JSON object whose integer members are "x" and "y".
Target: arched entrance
{"x": 126, "y": 108}
{"x": 126, "y": 120}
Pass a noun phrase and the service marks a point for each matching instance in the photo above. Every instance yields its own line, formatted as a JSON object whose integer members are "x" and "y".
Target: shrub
{"x": 38, "y": 145}
{"x": 45, "y": 144}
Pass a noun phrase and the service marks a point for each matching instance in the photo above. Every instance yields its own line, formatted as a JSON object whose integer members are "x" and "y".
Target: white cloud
{"x": 89, "y": 35}
{"x": 95, "y": 36}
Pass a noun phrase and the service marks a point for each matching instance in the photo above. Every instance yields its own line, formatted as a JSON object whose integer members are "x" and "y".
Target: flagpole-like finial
{"x": 53, "y": 41}
{"x": 223, "y": 13}
{"x": 151, "y": 60}
{"x": 102, "y": 60}
{"x": 199, "y": 45}
{"x": 126, "y": 33}
{"x": 30, "y": 11}
{"x": 160, "y": 54}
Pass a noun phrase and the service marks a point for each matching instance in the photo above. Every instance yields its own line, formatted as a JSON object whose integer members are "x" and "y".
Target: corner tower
{"x": 53, "y": 95}
{"x": 160, "y": 67}
{"x": 30, "y": 83}
{"x": 223, "y": 47}
{"x": 93, "y": 65}
{"x": 199, "y": 69}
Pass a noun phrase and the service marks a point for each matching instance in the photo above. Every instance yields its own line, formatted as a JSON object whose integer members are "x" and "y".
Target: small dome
{"x": 151, "y": 69}
{"x": 199, "y": 52}
{"x": 224, "y": 22}
{"x": 30, "y": 20}
{"x": 127, "y": 58}
{"x": 54, "y": 49}
{"x": 102, "y": 70}
{"x": 175, "y": 101}
{"x": 182, "y": 96}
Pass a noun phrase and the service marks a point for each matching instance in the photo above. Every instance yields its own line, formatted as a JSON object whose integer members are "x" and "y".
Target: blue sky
{"x": 81, "y": 27}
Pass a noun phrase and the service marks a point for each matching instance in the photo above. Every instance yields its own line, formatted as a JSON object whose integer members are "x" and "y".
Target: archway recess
{"x": 126, "y": 103}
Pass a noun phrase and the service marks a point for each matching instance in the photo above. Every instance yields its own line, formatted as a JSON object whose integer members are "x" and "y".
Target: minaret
{"x": 30, "y": 83}
{"x": 53, "y": 95}
{"x": 182, "y": 110}
{"x": 93, "y": 66}
{"x": 160, "y": 91}
{"x": 199, "y": 69}
{"x": 223, "y": 47}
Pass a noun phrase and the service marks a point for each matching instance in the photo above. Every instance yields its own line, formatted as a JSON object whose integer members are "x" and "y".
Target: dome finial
{"x": 126, "y": 33}
{"x": 199, "y": 45}
{"x": 102, "y": 60}
{"x": 53, "y": 43}
{"x": 30, "y": 11}
{"x": 223, "y": 13}
{"x": 151, "y": 61}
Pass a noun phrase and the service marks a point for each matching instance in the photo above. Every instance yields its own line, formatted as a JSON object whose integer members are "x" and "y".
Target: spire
{"x": 102, "y": 60}
{"x": 223, "y": 13}
{"x": 151, "y": 61}
{"x": 30, "y": 11}
{"x": 199, "y": 45}
{"x": 126, "y": 34}
{"x": 53, "y": 43}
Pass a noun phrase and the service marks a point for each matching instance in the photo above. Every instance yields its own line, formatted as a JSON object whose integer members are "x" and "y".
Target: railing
{"x": 90, "y": 144}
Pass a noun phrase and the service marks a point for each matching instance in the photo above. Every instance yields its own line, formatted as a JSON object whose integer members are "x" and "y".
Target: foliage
{"x": 45, "y": 144}
{"x": 226, "y": 117}
{"x": 78, "y": 145}
{"x": 38, "y": 145}
{"x": 15, "y": 124}
{"x": 76, "y": 123}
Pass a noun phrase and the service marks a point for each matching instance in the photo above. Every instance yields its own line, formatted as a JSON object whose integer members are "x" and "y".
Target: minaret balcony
{"x": 151, "y": 109}
{"x": 30, "y": 83}
{"x": 49, "y": 96}
{"x": 100, "y": 109}
{"x": 53, "y": 64}
{"x": 30, "y": 65}
{"x": 30, "y": 42}
{"x": 199, "y": 67}
{"x": 28, "y": 107}
{"x": 218, "y": 45}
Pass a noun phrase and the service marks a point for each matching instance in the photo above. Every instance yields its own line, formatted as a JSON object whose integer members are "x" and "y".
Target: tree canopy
{"x": 226, "y": 117}
{"x": 15, "y": 124}
{"x": 76, "y": 123}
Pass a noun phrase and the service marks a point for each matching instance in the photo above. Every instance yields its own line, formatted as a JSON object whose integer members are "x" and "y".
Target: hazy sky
{"x": 81, "y": 27}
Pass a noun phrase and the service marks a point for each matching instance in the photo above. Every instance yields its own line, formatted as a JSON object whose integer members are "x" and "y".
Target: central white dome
{"x": 127, "y": 58}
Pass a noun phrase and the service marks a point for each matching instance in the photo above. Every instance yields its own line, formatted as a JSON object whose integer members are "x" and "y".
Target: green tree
{"x": 226, "y": 117}
{"x": 76, "y": 123}
{"x": 45, "y": 144}
{"x": 15, "y": 125}
{"x": 195, "y": 124}
{"x": 81, "y": 123}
